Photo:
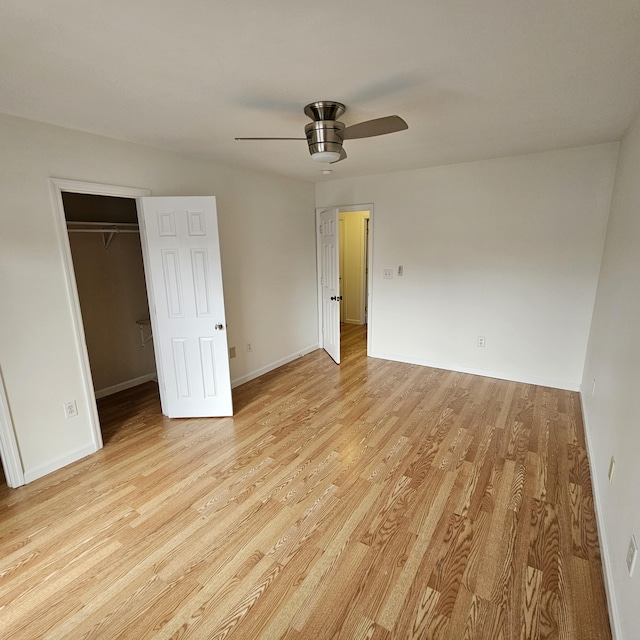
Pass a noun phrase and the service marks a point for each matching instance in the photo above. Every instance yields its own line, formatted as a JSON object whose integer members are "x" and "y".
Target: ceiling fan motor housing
{"x": 324, "y": 136}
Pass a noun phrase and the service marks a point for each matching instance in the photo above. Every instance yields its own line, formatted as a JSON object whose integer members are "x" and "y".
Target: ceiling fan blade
{"x": 343, "y": 155}
{"x": 370, "y": 128}
{"x": 269, "y": 138}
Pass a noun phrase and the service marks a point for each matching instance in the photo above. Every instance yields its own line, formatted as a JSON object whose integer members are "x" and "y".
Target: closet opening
{"x": 106, "y": 252}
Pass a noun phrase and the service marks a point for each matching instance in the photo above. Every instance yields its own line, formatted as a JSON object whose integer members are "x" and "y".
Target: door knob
{"x": 219, "y": 327}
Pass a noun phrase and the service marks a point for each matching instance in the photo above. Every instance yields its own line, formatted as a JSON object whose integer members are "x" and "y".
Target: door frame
{"x": 369, "y": 301}
{"x": 58, "y": 187}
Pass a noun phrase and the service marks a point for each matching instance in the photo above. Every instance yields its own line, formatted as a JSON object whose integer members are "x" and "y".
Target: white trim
{"x": 97, "y": 189}
{"x": 364, "y": 288}
{"x": 33, "y": 474}
{"x": 346, "y": 209}
{"x": 568, "y": 385}
{"x": 123, "y": 386}
{"x": 9, "y": 452}
{"x": 274, "y": 365}
{"x": 319, "y": 275}
{"x": 58, "y": 186}
{"x": 612, "y": 605}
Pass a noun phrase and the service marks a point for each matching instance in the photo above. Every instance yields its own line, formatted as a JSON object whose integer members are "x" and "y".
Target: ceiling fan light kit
{"x": 325, "y": 156}
{"x": 326, "y": 133}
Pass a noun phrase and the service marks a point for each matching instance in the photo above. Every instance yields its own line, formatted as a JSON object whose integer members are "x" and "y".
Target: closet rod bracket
{"x": 107, "y": 237}
{"x": 141, "y": 326}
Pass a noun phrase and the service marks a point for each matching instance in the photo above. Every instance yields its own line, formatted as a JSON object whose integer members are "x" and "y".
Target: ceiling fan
{"x": 326, "y": 134}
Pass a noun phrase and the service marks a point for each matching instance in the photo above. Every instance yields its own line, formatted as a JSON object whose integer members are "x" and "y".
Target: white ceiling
{"x": 473, "y": 79}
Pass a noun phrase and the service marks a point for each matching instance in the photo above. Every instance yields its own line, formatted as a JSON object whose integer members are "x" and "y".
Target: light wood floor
{"x": 372, "y": 500}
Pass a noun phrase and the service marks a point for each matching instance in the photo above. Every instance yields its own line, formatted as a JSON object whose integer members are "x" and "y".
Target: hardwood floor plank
{"x": 493, "y": 556}
{"x": 334, "y": 589}
{"x": 372, "y": 500}
{"x": 531, "y": 613}
{"x": 389, "y": 561}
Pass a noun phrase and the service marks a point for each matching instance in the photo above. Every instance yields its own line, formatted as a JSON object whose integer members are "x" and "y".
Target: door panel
{"x": 184, "y": 282}
{"x": 330, "y": 274}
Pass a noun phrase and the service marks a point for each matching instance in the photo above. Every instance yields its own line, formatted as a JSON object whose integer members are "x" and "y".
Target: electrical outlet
{"x": 632, "y": 555}
{"x": 482, "y": 341}
{"x": 387, "y": 274}
{"x": 70, "y": 409}
{"x": 612, "y": 466}
{"x": 249, "y": 347}
{"x": 232, "y": 352}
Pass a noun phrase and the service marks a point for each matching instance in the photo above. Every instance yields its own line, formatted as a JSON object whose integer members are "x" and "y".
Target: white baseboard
{"x": 274, "y": 365}
{"x": 500, "y": 375}
{"x": 33, "y": 474}
{"x": 123, "y": 386}
{"x": 602, "y": 534}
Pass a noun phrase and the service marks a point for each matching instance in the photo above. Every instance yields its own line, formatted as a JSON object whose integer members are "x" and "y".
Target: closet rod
{"x": 114, "y": 230}
{"x": 108, "y": 226}
{"x": 106, "y": 229}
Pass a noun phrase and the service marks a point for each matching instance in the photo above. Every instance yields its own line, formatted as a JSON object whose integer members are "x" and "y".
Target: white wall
{"x": 508, "y": 249}
{"x": 267, "y": 232}
{"x": 612, "y": 415}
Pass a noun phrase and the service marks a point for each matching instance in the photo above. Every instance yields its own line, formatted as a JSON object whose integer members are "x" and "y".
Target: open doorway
{"x": 344, "y": 251}
{"x": 106, "y": 254}
{"x": 354, "y": 248}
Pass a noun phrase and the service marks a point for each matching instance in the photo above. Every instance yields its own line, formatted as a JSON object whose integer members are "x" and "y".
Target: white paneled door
{"x": 184, "y": 283}
{"x": 330, "y": 282}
